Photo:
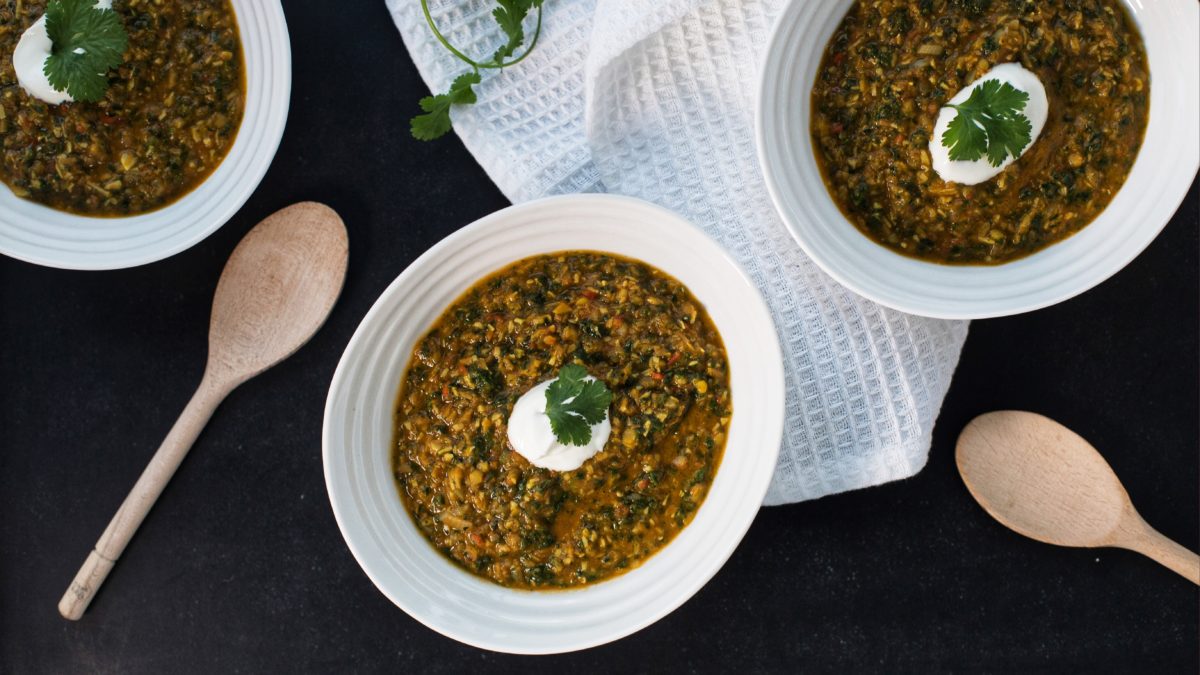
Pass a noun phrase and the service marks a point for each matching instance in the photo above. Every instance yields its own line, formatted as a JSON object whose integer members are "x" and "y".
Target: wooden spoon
{"x": 1041, "y": 479}
{"x": 275, "y": 292}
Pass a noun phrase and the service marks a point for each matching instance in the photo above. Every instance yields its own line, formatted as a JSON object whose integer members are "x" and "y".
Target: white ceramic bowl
{"x": 1157, "y": 184}
{"x": 358, "y": 429}
{"x": 41, "y": 235}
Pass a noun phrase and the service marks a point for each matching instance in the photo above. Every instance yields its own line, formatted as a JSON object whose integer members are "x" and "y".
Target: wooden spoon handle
{"x": 143, "y": 495}
{"x": 1153, "y": 544}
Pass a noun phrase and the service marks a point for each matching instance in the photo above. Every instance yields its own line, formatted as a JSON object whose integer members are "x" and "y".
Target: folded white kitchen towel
{"x": 655, "y": 99}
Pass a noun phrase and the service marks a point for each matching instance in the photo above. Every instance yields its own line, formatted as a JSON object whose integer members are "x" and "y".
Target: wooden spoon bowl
{"x": 1044, "y": 481}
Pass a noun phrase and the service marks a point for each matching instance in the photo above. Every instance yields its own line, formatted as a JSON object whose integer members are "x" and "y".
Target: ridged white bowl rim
{"x": 358, "y": 428}
{"x": 1158, "y": 182}
{"x": 45, "y": 236}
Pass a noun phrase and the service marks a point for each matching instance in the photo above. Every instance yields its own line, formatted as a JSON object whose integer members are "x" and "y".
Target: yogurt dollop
{"x": 530, "y": 434}
{"x": 29, "y": 60}
{"x": 977, "y": 171}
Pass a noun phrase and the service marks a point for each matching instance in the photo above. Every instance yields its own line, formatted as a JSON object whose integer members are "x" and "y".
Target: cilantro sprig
{"x": 87, "y": 41}
{"x": 510, "y": 17}
{"x": 989, "y": 122}
{"x": 574, "y": 404}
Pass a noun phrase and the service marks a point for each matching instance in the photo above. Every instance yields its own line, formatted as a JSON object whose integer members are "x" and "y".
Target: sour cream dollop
{"x": 972, "y": 173}
{"x": 29, "y": 60}
{"x": 530, "y": 434}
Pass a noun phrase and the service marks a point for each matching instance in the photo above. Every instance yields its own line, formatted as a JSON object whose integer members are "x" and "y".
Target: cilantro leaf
{"x": 966, "y": 139}
{"x": 574, "y": 403}
{"x": 989, "y": 122}
{"x": 570, "y": 429}
{"x": 1007, "y": 137}
{"x": 591, "y": 403}
{"x": 436, "y": 120}
{"x": 86, "y": 42}
{"x": 510, "y": 16}
{"x": 568, "y": 384}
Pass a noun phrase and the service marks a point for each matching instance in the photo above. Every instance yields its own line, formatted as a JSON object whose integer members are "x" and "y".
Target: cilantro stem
{"x": 472, "y": 62}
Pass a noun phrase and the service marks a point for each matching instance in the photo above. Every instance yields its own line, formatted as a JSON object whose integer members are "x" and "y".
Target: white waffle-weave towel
{"x": 655, "y": 99}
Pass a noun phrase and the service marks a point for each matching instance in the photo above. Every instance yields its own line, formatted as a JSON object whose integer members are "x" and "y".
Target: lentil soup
{"x": 489, "y": 510}
{"x": 168, "y": 118}
{"x": 892, "y": 64}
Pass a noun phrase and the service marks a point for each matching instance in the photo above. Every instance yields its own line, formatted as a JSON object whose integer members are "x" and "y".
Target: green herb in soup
{"x": 574, "y": 404}
{"x": 633, "y": 328}
{"x": 989, "y": 122}
{"x": 168, "y": 117}
{"x": 86, "y": 41}
{"x": 891, "y": 66}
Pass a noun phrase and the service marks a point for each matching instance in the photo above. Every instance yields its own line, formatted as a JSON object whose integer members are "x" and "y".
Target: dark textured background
{"x": 240, "y": 567}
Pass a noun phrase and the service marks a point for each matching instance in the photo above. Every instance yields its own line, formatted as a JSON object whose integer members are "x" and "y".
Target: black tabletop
{"x": 240, "y": 566}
